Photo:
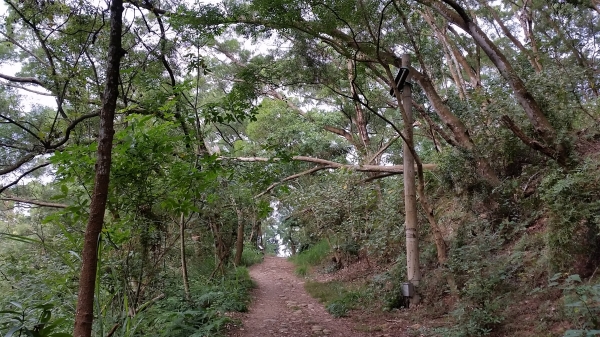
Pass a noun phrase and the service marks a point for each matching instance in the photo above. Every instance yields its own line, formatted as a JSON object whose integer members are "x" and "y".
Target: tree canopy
{"x": 185, "y": 134}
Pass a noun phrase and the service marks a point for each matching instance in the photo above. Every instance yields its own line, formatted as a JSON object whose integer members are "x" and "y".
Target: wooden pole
{"x": 410, "y": 199}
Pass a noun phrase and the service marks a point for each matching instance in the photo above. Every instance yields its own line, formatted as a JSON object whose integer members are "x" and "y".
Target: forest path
{"x": 282, "y": 307}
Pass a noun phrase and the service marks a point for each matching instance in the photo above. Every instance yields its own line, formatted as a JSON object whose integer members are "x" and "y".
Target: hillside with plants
{"x": 151, "y": 151}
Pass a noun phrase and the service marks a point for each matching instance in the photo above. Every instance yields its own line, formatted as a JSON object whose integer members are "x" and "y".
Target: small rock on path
{"x": 282, "y": 307}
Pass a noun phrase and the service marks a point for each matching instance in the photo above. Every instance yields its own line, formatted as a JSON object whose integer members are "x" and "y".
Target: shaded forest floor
{"x": 282, "y": 307}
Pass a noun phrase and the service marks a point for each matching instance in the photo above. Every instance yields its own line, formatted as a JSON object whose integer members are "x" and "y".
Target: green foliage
{"x": 388, "y": 285}
{"x": 202, "y": 315}
{"x": 457, "y": 171}
{"x": 573, "y": 199}
{"x": 196, "y": 323}
{"x": 337, "y": 298}
{"x": 483, "y": 277}
{"x": 36, "y": 321}
{"x": 229, "y": 293}
{"x": 251, "y": 255}
{"x": 312, "y": 256}
{"x": 581, "y": 303}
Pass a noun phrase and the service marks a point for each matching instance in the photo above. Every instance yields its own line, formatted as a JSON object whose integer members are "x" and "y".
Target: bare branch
{"x": 31, "y": 80}
{"x": 382, "y": 149}
{"x": 70, "y": 128}
{"x": 532, "y": 143}
{"x": 358, "y": 168}
{"x": 292, "y": 177}
{"x": 18, "y": 164}
{"x": 16, "y": 43}
{"x": 148, "y": 7}
{"x": 4, "y": 188}
{"x": 27, "y": 89}
{"x": 379, "y": 176}
{"x": 11, "y": 121}
{"x": 34, "y": 202}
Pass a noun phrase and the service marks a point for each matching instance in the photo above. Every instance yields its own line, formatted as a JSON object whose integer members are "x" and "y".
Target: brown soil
{"x": 282, "y": 307}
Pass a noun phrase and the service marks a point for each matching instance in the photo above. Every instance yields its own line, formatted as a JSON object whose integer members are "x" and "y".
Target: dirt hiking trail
{"x": 282, "y": 307}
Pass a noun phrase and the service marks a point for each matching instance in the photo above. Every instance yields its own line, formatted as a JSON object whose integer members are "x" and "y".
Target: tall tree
{"x": 85, "y": 300}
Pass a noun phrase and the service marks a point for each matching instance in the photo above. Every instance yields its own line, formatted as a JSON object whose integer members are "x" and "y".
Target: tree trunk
{"x": 184, "y": 271}
{"x": 84, "y": 314}
{"x": 456, "y": 126}
{"x": 536, "y": 116}
{"x": 359, "y": 120}
{"x": 532, "y": 60}
{"x": 239, "y": 243}
{"x": 526, "y": 19}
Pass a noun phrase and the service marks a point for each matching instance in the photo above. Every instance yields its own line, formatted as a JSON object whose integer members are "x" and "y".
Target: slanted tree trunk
{"x": 532, "y": 60}
{"x": 542, "y": 127}
{"x": 84, "y": 314}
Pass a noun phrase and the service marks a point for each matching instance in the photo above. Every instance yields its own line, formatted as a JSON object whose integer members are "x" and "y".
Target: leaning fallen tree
{"x": 323, "y": 164}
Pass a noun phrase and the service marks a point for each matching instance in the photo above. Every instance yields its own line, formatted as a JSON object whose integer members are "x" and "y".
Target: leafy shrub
{"x": 574, "y": 201}
{"x": 203, "y": 315}
{"x": 337, "y": 299}
{"x": 31, "y": 321}
{"x": 312, "y": 256}
{"x": 192, "y": 323}
{"x": 230, "y": 293}
{"x": 582, "y": 304}
{"x": 481, "y": 275}
{"x": 388, "y": 285}
{"x": 251, "y": 255}
{"x": 340, "y": 306}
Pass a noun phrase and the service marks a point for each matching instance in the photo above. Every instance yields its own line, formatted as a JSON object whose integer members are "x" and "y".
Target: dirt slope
{"x": 281, "y": 307}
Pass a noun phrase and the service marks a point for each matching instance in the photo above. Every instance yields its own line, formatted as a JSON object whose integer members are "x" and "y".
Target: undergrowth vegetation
{"x": 337, "y": 297}
{"x": 525, "y": 251}
{"x": 170, "y": 159}
{"x": 310, "y": 257}
{"x": 35, "y": 308}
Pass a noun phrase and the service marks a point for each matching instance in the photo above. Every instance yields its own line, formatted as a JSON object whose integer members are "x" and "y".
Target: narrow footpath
{"x": 281, "y": 307}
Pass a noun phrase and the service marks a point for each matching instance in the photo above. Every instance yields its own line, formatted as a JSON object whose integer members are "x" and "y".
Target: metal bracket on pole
{"x": 400, "y": 80}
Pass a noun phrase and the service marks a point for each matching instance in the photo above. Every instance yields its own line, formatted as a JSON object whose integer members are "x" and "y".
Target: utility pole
{"x": 410, "y": 199}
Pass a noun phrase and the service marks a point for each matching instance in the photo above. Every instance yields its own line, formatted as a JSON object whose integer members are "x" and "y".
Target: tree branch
{"x": 27, "y": 89}
{"x": 17, "y": 164}
{"x": 34, "y": 202}
{"x": 379, "y": 176}
{"x": 31, "y": 80}
{"x": 382, "y": 149}
{"x": 70, "y": 128}
{"x": 358, "y": 168}
{"x": 4, "y": 188}
{"x": 292, "y": 177}
{"x": 532, "y": 143}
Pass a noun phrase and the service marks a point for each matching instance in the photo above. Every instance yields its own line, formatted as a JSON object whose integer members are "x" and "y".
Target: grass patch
{"x": 310, "y": 257}
{"x": 337, "y": 298}
{"x": 251, "y": 255}
{"x": 302, "y": 270}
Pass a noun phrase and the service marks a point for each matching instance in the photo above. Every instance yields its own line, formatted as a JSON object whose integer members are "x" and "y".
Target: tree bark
{"x": 184, "y": 270}
{"x": 457, "y": 15}
{"x": 532, "y": 60}
{"x": 239, "y": 243}
{"x": 359, "y": 120}
{"x": 456, "y": 126}
{"x": 84, "y": 314}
